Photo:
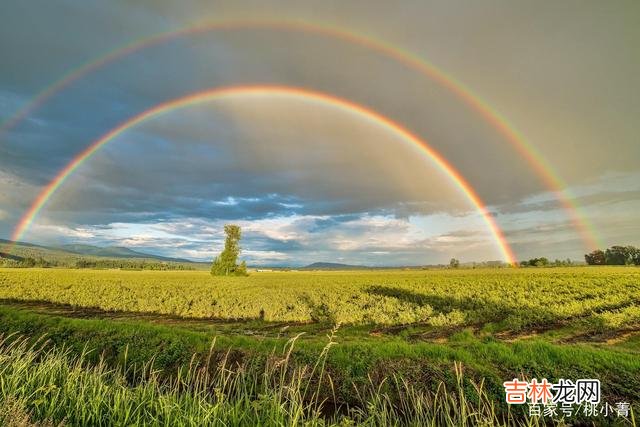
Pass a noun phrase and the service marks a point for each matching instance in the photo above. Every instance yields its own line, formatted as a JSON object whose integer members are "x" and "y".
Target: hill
{"x": 80, "y": 255}
{"x": 333, "y": 266}
{"x": 114, "y": 252}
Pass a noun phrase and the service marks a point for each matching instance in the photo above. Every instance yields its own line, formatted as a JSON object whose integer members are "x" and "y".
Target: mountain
{"x": 114, "y": 252}
{"x": 333, "y": 266}
{"x": 22, "y": 250}
{"x": 70, "y": 254}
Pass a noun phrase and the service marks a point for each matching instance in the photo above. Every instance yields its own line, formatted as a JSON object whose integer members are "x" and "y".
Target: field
{"x": 463, "y": 331}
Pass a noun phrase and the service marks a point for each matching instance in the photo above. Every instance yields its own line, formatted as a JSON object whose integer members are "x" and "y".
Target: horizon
{"x": 65, "y": 247}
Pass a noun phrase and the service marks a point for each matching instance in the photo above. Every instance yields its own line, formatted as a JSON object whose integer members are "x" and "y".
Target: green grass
{"x": 353, "y": 366}
{"x": 514, "y": 299}
{"x": 419, "y": 329}
{"x": 42, "y": 384}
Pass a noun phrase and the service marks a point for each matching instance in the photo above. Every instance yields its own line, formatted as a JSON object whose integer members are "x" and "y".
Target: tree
{"x": 615, "y": 255}
{"x": 28, "y": 262}
{"x": 225, "y": 264}
{"x": 633, "y": 255}
{"x": 537, "y": 262}
{"x": 454, "y": 263}
{"x": 619, "y": 255}
{"x": 596, "y": 257}
{"x": 541, "y": 262}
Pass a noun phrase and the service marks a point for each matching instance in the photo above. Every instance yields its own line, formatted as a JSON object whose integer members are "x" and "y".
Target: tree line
{"x": 615, "y": 255}
{"x": 124, "y": 264}
{"x": 130, "y": 264}
{"x": 28, "y": 262}
{"x": 545, "y": 262}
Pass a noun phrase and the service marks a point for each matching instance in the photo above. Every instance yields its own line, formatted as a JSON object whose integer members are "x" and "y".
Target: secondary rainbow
{"x": 542, "y": 167}
{"x": 262, "y": 90}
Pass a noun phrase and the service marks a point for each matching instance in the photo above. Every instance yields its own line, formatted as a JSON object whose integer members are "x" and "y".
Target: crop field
{"x": 511, "y": 299}
{"x": 424, "y": 328}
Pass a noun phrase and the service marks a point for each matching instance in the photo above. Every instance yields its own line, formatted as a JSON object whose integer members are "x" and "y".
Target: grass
{"x": 515, "y": 299}
{"x": 42, "y": 384}
{"x": 353, "y": 366}
{"x": 462, "y": 333}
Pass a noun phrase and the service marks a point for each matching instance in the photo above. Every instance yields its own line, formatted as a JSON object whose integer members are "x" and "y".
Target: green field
{"x": 431, "y": 330}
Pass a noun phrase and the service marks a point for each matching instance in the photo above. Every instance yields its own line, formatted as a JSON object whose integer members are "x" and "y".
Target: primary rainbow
{"x": 542, "y": 167}
{"x": 262, "y": 90}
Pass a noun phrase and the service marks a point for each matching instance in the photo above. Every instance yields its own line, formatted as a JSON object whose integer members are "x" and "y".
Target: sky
{"x": 308, "y": 181}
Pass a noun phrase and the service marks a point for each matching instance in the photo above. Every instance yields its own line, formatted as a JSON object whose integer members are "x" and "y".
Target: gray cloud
{"x": 563, "y": 74}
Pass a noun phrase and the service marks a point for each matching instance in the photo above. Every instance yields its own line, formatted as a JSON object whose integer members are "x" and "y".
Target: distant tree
{"x": 596, "y": 257}
{"x": 226, "y": 264}
{"x": 29, "y": 262}
{"x": 538, "y": 262}
{"x": 41, "y": 262}
{"x": 633, "y": 255}
{"x": 543, "y": 262}
{"x": 619, "y": 255}
{"x": 454, "y": 263}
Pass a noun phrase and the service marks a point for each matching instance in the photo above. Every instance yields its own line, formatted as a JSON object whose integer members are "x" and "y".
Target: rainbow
{"x": 539, "y": 164}
{"x": 264, "y": 90}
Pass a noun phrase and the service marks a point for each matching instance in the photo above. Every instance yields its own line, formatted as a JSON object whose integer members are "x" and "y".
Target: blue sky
{"x": 306, "y": 182}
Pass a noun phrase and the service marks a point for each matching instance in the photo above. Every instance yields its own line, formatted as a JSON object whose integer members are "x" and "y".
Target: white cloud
{"x": 262, "y": 256}
{"x": 295, "y": 239}
{"x": 45, "y": 231}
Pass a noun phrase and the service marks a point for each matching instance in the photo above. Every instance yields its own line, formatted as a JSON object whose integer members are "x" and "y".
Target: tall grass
{"x": 40, "y": 383}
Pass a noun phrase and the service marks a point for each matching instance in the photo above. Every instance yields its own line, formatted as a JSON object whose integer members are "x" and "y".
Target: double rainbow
{"x": 263, "y": 90}
{"x": 538, "y": 163}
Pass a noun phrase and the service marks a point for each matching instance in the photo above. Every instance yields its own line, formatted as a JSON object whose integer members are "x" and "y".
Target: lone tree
{"x": 454, "y": 263}
{"x": 225, "y": 264}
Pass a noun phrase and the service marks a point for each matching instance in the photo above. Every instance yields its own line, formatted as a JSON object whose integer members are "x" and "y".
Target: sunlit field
{"x": 372, "y": 347}
{"x": 494, "y": 298}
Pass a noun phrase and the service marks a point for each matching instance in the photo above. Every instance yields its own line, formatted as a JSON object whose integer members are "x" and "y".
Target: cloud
{"x": 49, "y": 231}
{"x": 607, "y": 189}
{"x": 131, "y": 85}
{"x": 291, "y": 240}
{"x": 270, "y": 168}
{"x": 342, "y": 182}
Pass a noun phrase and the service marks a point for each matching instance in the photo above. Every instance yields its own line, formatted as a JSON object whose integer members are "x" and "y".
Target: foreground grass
{"x": 47, "y": 384}
{"x": 360, "y": 372}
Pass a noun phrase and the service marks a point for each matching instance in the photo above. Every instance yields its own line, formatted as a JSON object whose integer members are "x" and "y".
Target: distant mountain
{"x": 4, "y": 242}
{"x": 68, "y": 254}
{"x": 333, "y": 266}
{"x": 114, "y": 252}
